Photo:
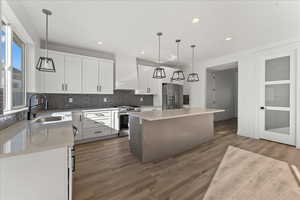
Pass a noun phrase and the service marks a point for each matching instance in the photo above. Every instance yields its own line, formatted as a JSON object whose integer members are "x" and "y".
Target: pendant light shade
{"x": 159, "y": 71}
{"x": 178, "y": 75}
{"x": 45, "y": 63}
{"x": 193, "y": 77}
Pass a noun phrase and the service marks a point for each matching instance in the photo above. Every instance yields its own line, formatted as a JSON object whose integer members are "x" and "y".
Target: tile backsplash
{"x": 10, "y": 119}
{"x": 120, "y": 97}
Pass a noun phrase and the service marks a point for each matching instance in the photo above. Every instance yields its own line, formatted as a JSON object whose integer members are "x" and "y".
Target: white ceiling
{"x": 129, "y": 27}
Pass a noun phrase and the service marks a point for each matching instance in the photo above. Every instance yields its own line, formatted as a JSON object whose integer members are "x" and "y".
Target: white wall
{"x": 19, "y": 21}
{"x": 248, "y": 84}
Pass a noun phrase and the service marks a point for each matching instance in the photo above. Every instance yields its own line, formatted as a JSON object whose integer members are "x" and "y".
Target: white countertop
{"x": 27, "y": 137}
{"x": 175, "y": 113}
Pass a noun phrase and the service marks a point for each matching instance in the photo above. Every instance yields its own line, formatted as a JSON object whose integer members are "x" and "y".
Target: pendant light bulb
{"x": 159, "y": 71}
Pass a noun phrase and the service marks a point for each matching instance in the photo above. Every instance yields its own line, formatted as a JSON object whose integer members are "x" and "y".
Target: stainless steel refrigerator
{"x": 172, "y": 96}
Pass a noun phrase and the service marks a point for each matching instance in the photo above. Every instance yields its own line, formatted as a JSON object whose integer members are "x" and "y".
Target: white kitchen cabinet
{"x": 96, "y": 124}
{"x": 106, "y": 76}
{"x": 90, "y": 75}
{"x": 97, "y": 76}
{"x": 146, "y": 84}
{"x": 72, "y": 74}
{"x": 54, "y": 82}
{"x": 78, "y": 74}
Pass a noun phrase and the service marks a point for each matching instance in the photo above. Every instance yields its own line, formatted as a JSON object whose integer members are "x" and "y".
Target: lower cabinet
{"x": 43, "y": 175}
{"x": 96, "y": 124}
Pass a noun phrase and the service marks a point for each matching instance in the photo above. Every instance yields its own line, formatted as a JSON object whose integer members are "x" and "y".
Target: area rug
{"x": 243, "y": 175}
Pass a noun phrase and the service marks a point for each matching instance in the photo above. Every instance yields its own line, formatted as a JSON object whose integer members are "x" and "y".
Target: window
{"x": 18, "y": 72}
{"x": 13, "y": 69}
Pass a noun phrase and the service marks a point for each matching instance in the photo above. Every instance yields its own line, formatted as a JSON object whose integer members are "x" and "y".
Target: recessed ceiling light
{"x": 99, "y": 42}
{"x": 195, "y": 20}
{"x": 142, "y": 52}
{"x": 228, "y": 38}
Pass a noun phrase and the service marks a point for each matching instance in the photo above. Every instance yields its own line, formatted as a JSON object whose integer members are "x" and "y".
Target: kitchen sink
{"x": 49, "y": 119}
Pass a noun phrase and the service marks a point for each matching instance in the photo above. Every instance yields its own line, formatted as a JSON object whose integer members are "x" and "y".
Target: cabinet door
{"x": 53, "y": 81}
{"x": 90, "y": 75}
{"x": 145, "y": 79}
{"x": 72, "y": 74}
{"x": 106, "y": 76}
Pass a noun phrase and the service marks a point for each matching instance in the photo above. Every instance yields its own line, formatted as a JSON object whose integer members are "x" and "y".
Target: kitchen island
{"x": 156, "y": 135}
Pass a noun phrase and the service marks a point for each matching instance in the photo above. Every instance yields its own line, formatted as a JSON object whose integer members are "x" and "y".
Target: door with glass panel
{"x": 277, "y": 115}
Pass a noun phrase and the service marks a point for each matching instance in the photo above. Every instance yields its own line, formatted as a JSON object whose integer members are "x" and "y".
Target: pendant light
{"x": 193, "y": 77}
{"x": 159, "y": 72}
{"x": 45, "y": 63}
{"x": 178, "y": 75}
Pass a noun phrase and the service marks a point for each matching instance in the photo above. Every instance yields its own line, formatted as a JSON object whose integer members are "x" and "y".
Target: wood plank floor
{"x": 107, "y": 170}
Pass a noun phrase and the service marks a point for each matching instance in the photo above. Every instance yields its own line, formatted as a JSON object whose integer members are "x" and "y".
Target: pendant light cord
{"x": 193, "y": 52}
{"x": 193, "y": 59}
{"x": 159, "y": 34}
{"x": 47, "y": 35}
{"x": 177, "y": 41}
{"x": 159, "y": 50}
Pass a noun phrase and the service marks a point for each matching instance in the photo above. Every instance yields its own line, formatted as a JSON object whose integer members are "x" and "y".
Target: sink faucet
{"x": 45, "y": 102}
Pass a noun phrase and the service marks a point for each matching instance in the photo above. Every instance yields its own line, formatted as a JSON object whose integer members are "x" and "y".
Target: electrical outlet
{"x": 105, "y": 99}
{"x": 70, "y": 100}
{"x": 141, "y": 99}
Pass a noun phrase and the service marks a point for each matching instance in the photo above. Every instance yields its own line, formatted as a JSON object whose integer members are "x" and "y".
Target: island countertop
{"x": 174, "y": 113}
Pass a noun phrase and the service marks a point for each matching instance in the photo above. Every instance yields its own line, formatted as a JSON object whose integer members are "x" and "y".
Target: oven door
{"x": 124, "y": 124}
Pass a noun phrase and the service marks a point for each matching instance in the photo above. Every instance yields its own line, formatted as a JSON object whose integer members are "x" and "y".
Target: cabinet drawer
{"x": 96, "y": 132}
{"x": 97, "y": 114}
{"x": 106, "y": 122}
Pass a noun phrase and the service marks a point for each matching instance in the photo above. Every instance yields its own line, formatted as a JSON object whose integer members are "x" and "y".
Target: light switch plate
{"x": 142, "y": 99}
{"x": 105, "y": 99}
{"x": 70, "y": 99}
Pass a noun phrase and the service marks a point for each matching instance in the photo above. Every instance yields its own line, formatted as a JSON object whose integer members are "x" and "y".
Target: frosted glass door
{"x": 278, "y": 100}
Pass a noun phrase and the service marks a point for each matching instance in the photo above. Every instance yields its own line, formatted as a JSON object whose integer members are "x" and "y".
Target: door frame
{"x": 293, "y": 84}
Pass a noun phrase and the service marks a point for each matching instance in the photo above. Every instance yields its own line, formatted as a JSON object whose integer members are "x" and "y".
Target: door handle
{"x": 262, "y": 108}
{"x": 62, "y": 87}
{"x": 99, "y": 88}
{"x": 66, "y": 87}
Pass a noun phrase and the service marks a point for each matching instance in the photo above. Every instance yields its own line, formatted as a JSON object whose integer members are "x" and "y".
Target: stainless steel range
{"x": 124, "y": 118}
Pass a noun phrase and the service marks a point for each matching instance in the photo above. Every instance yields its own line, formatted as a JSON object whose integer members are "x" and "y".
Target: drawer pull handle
{"x": 98, "y": 132}
{"x": 100, "y": 115}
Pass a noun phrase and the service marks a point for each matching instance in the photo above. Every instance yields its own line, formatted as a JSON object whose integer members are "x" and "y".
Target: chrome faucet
{"x": 45, "y": 103}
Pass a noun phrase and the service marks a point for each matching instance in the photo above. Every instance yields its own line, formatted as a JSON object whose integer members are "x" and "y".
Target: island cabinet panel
{"x": 135, "y": 136}
{"x": 160, "y": 139}
{"x": 35, "y": 176}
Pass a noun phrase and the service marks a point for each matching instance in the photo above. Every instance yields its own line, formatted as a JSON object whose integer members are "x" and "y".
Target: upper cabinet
{"x": 54, "y": 82}
{"x": 98, "y": 76}
{"x": 146, "y": 84}
{"x": 90, "y": 75}
{"x": 106, "y": 76}
{"x": 72, "y": 74}
{"x": 78, "y": 74}
{"x": 149, "y": 85}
